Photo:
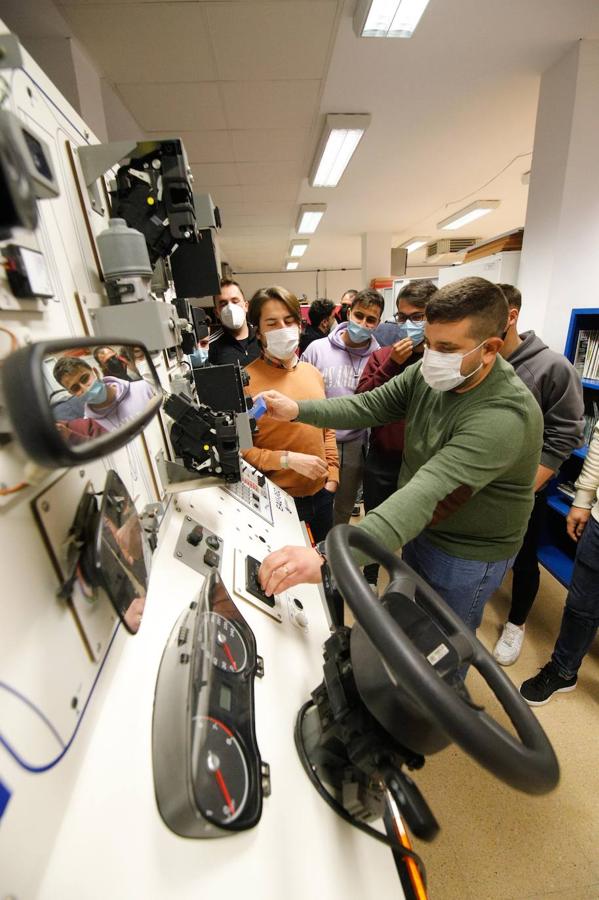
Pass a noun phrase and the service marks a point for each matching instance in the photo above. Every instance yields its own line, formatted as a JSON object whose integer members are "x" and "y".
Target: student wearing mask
{"x": 346, "y": 301}
{"x": 385, "y": 448}
{"x": 301, "y": 459}
{"x": 556, "y": 387}
{"x": 235, "y": 340}
{"x": 472, "y": 446}
{"x": 581, "y": 614}
{"x": 111, "y": 363}
{"x": 340, "y": 358}
{"x": 109, "y": 401}
{"x": 413, "y": 292}
{"x": 321, "y": 320}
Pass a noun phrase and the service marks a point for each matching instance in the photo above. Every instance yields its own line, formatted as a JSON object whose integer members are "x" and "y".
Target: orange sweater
{"x": 273, "y": 438}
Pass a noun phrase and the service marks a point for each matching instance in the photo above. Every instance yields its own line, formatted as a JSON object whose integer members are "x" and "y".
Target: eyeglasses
{"x": 413, "y": 317}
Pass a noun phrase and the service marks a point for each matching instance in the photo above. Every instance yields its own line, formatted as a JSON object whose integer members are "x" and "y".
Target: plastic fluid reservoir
{"x": 123, "y": 251}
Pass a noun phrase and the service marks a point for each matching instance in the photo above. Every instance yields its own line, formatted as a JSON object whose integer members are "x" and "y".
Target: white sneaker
{"x": 508, "y": 647}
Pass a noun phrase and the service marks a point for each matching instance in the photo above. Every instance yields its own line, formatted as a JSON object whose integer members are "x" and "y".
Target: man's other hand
{"x": 279, "y": 406}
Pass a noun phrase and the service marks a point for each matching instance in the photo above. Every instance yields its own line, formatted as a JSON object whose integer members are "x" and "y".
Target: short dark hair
{"x": 418, "y": 293}
{"x": 319, "y": 311}
{"x": 474, "y": 298}
{"x": 512, "y": 295}
{"x": 369, "y": 297}
{"x": 263, "y": 295}
{"x": 66, "y": 365}
{"x": 227, "y": 282}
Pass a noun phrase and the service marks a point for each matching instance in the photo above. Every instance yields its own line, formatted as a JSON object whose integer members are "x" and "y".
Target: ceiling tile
{"x": 216, "y": 174}
{"x": 272, "y": 145}
{"x": 271, "y": 41}
{"x": 174, "y": 107}
{"x": 223, "y": 195}
{"x": 205, "y": 146}
{"x": 170, "y": 45}
{"x": 283, "y": 193}
{"x": 270, "y": 104}
{"x": 269, "y": 173}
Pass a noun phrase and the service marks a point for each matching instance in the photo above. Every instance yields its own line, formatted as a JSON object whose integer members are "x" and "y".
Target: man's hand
{"x": 544, "y": 473}
{"x": 402, "y": 350}
{"x": 279, "y": 406}
{"x": 576, "y": 521}
{"x": 308, "y": 465}
{"x": 289, "y": 566}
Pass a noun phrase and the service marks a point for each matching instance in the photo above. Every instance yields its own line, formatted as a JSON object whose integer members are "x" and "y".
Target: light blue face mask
{"x": 412, "y": 330}
{"x": 198, "y": 357}
{"x": 358, "y": 333}
{"x": 96, "y": 393}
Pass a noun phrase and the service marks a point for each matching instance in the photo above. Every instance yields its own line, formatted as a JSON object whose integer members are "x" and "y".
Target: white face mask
{"x": 441, "y": 371}
{"x": 232, "y": 316}
{"x": 282, "y": 342}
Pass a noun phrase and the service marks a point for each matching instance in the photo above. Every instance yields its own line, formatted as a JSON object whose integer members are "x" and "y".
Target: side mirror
{"x": 75, "y": 400}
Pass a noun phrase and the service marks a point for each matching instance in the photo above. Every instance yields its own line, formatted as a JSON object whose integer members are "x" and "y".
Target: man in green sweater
{"x": 473, "y": 441}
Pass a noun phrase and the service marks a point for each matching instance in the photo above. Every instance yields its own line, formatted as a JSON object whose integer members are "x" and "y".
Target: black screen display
{"x": 37, "y": 155}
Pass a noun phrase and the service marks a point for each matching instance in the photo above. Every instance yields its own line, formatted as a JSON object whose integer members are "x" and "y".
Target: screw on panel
{"x": 179, "y": 554}
{"x": 74, "y": 702}
{"x": 188, "y": 518}
{"x": 82, "y": 473}
{"x": 45, "y": 506}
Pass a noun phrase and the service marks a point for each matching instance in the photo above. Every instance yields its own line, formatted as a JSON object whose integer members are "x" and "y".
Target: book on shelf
{"x": 590, "y": 423}
{"x": 586, "y": 356}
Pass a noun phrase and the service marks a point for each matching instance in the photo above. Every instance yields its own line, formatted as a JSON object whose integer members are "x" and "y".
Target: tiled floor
{"x": 497, "y": 844}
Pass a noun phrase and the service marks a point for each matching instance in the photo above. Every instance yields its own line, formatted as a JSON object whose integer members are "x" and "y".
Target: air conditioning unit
{"x": 448, "y": 249}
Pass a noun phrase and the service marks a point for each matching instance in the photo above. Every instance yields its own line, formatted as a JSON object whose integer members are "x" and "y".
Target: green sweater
{"x": 469, "y": 460}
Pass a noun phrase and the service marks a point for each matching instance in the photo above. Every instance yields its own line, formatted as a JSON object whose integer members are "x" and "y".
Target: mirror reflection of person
{"x": 123, "y": 562}
{"x": 117, "y": 364}
{"x": 79, "y": 431}
{"x": 109, "y": 401}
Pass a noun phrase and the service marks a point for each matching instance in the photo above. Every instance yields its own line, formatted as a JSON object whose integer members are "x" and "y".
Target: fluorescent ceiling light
{"x": 388, "y": 18}
{"x": 309, "y": 217}
{"x": 468, "y": 214}
{"x": 341, "y": 136}
{"x": 298, "y": 248}
{"x": 290, "y": 265}
{"x": 414, "y": 243}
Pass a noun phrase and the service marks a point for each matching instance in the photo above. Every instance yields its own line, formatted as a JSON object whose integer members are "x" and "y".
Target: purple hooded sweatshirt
{"x": 132, "y": 398}
{"x": 341, "y": 367}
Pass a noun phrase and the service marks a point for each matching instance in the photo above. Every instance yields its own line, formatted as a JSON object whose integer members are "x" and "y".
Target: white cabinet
{"x": 499, "y": 267}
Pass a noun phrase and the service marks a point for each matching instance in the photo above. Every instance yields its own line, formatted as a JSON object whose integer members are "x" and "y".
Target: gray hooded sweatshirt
{"x": 556, "y": 387}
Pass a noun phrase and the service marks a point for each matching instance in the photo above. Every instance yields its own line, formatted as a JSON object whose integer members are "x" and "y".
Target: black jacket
{"x": 224, "y": 348}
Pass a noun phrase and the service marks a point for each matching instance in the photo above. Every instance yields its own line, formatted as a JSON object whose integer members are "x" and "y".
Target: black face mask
{"x": 115, "y": 367}
{"x": 343, "y": 312}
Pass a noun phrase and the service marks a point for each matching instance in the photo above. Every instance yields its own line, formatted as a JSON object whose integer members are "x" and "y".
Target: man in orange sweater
{"x": 299, "y": 458}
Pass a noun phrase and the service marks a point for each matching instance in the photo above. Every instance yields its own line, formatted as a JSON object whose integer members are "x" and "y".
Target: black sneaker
{"x": 539, "y": 690}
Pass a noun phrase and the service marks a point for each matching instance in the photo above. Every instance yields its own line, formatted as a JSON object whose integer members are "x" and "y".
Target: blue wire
{"x": 17, "y": 757}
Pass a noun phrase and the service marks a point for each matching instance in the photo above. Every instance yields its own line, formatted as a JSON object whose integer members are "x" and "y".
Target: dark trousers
{"x": 581, "y": 615}
{"x": 381, "y": 472}
{"x": 317, "y": 512}
{"x": 526, "y": 575}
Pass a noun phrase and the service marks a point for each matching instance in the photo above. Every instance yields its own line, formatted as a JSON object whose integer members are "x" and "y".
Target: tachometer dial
{"x": 224, "y": 643}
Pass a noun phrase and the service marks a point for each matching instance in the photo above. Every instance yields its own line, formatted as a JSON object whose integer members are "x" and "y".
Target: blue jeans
{"x": 317, "y": 512}
{"x": 464, "y": 584}
{"x": 581, "y": 615}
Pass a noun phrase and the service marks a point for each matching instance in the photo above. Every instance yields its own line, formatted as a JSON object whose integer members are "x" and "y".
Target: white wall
{"x": 560, "y": 255}
{"x": 331, "y": 284}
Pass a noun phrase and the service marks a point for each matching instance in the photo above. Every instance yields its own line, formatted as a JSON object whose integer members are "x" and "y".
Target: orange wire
{"x": 15, "y": 488}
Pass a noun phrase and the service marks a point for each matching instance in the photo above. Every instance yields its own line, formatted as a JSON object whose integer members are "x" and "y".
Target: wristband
{"x": 284, "y": 461}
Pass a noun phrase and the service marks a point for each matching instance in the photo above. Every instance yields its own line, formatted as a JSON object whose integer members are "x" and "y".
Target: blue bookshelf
{"x": 556, "y": 551}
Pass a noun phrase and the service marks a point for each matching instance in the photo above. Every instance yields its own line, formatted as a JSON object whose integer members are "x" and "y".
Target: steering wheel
{"x": 528, "y": 762}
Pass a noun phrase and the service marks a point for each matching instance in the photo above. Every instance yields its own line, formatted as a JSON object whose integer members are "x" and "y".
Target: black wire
{"x": 337, "y": 807}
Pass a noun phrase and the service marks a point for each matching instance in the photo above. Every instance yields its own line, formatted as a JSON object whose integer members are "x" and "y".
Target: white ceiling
{"x": 246, "y": 85}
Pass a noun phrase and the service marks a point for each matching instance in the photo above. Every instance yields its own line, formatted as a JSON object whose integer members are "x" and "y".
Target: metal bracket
{"x": 95, "y": 161}
{"x": 265, "y": 776}
{"x": 151, "y": 518}
{"x": 175, "y": 477}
